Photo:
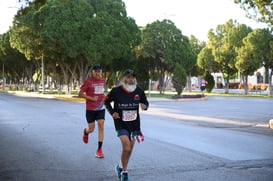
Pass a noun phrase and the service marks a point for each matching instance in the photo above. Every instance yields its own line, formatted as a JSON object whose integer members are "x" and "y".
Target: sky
{"x": 192, "y": 17}
{"x": 7, "y": 11}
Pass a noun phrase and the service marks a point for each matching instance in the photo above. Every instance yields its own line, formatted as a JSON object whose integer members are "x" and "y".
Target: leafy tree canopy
{"x": 260, "y": 10}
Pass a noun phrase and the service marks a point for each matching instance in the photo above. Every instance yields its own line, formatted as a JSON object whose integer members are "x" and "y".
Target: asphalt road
{"x": 215, "y": 139}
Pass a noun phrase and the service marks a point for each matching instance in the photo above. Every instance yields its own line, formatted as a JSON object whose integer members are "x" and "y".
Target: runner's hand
{"x": 143, "y": 106}
{"x": 95, "y": 98}
{"x": 115, "y": 115}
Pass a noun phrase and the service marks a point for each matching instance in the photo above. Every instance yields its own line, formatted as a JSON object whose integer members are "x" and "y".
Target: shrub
{"x": 179, "y": 79}
{"x": 209, "y": 78}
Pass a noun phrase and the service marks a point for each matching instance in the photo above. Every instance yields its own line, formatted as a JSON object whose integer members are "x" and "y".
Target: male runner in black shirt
{"x": 127, "y": 98}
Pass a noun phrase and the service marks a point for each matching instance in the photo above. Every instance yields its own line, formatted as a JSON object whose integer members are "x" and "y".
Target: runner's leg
{"x": 91, "y": 127}
{"x": 100, "y": 130}
{"x": 127, "y": 148}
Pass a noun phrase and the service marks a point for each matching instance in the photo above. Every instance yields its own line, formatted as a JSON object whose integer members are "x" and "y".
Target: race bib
{"x": 98, "y": 89}
{"x": 129, "y": 115}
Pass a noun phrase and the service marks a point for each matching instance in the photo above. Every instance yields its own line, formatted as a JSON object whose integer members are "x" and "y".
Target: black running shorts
{"x": 92, "y": 116}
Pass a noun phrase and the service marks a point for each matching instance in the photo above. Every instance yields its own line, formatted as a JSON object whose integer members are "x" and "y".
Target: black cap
{"x": 96, "y": 67}
{"x": 128, "y": 73}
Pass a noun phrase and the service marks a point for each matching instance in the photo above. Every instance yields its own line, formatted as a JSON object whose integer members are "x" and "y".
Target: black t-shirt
{"x": 127, "y": 105}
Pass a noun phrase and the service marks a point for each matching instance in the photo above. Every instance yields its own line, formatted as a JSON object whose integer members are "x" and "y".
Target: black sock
{"x": 99, "y": 144}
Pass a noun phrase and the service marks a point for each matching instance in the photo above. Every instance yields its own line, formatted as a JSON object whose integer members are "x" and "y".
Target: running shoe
{"x": 124, "y": 176}
{"x": 99, "y": 153}
{"x": 85, "y": 136}
{"x": 118, "y": 170}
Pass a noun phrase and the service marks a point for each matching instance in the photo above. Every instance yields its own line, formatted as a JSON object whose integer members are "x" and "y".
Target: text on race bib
{"x": 129, "y": 115}
{"x": 98, "y": 89}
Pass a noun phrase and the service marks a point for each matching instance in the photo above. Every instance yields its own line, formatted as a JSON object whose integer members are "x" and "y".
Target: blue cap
{"x": 96, "y": 67}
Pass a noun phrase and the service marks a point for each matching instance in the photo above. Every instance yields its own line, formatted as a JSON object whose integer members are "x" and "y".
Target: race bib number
{"x": 99, "y": 89}
{"x": 129, "y": 115}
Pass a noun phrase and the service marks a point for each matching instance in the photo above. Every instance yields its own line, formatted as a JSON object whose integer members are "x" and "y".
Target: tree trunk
{"x": 266, "y": 79}
{"x": 189, "y": 83}
{"x": 226, "y": 84}
{"x": 84, "y": 70}
{"x": 66, "y": 78}
{"x": 270, "y": 87}
{"x": 161, "y": 82}
{"x": 245, "y": 81}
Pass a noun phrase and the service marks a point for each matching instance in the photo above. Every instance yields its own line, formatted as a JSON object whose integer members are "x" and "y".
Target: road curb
{"x": 30, "y": 94}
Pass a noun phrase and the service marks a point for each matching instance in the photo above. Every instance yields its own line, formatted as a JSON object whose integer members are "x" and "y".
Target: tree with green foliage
{"x": 246, "y": 64}
{"x": 163, "y": 45}
{"x": 179, "y": 78}
{"x": 196, "y": 47}
{"x": 14, "y": 64}
{"x": 142, "y": 71}
{"x": 26, "y": 35}
{"x": 206, "y": 62}
{"x": 259, "y": 10}
{"x": 74, "y": 34}
{"x": 257, "y": 51}
{"x": 223, "y": 42}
